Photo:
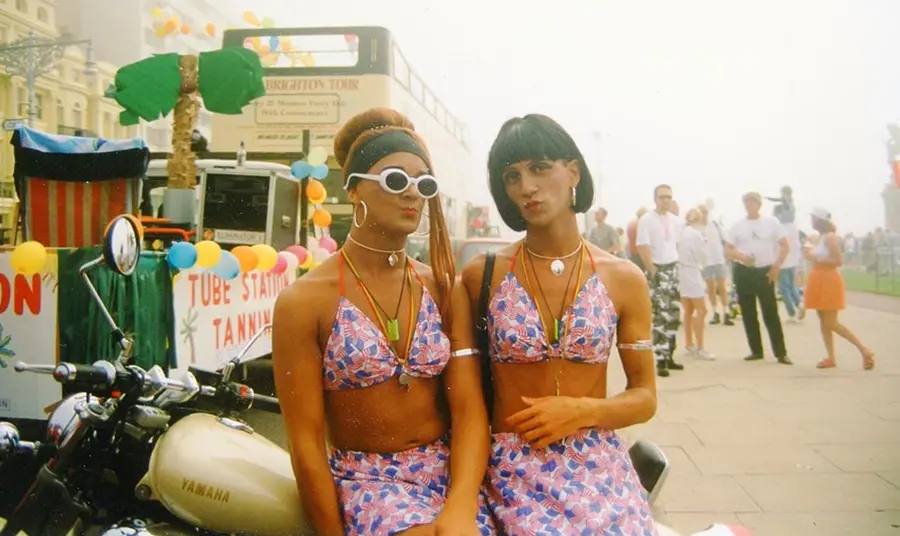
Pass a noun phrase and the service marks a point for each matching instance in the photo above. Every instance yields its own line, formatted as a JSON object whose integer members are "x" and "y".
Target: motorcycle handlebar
{"x": 100, "y": 373}
{"x": 266, "y": 403}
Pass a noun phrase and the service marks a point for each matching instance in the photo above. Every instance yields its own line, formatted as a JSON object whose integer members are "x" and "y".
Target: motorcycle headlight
{"x": 64, "y": 419}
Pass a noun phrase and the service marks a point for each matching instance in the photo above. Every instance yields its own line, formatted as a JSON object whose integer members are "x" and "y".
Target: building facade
{"x": 66, "y": 100}
{"x": 137, "y": 35}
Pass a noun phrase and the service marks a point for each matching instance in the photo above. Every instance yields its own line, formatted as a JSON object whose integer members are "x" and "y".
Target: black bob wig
{"x": 533, "y": 137}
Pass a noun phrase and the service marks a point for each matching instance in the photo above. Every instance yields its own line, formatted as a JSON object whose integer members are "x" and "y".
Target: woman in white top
{"x": 691, "y": 260}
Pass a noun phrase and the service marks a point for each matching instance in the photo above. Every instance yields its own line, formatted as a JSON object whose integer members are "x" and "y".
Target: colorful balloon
{"x": 162, "y": 31}
{"x": 250, "y": 18}
{"x": 247, "y": 258}
{"x": 300, "y": 169}
{"x": 319, "y": 255}
{"x": 319, "y": 172}
{"x": 300, "y": 252}
{"x": 182, "y": 255}
{"x": 321, "y": 217}
{"x": 315, "y": 192}
{"x": 208, "y": 253}
{"x": 156, "y": 12}
{"x": 267, "y": 256}
{"x": 228, "y": 266}
{"x": 290, "y": 259}
{"x": 280, "y": 264}
{"x": 185, "y": 29}
{"x": 328, "y": 244}
{"x": 28, "y": 258}
{"x": 267, "y": 22}
{"x": 273, "y": 43}
{"x": 307, "y": 263}
{"x": 317, "y": 156}
{"x": 210, "y": 29}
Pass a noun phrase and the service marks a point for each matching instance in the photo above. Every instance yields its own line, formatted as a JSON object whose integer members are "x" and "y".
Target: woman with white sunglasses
{"x": 374, "y": 354}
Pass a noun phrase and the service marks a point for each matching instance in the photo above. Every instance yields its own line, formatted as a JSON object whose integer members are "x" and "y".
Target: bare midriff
{"x": 512, "y": 381}
{"x": 387, "y": 417}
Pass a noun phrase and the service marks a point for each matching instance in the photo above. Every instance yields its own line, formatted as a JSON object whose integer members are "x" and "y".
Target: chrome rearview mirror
{"x": 122, "y": 245}
{"x": 121, "y": 253}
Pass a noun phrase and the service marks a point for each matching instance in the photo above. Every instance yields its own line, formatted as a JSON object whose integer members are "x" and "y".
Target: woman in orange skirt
{"x": 825, "y": 289}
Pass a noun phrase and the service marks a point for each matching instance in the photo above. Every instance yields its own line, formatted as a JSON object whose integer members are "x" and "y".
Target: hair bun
{"x": 370, "y": 120}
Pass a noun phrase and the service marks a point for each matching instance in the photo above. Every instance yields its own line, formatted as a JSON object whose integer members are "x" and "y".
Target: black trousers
{"x": 753, "y": 284}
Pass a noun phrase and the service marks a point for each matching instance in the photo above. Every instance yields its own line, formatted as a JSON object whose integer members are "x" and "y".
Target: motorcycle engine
{"x": 64, "y": 420}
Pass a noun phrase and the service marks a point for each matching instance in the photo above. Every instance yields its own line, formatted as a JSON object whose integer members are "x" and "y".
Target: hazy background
{"x": 714, "y": 97}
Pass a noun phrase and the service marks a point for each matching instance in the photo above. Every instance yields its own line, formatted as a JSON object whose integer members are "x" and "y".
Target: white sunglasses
{"x": 396, "y": 181}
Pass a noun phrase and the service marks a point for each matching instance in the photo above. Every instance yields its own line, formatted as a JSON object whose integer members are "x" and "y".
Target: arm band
{"x": 636, "y": 345}
{"x": 465, "y": 352}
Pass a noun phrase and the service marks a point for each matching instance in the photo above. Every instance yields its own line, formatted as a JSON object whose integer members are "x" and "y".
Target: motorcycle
{"x": 136, "y": 453}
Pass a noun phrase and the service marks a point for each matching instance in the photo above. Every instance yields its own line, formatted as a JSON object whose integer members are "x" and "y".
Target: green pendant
{"x": 556, "y": 328}
{"x": 393, "y": 330}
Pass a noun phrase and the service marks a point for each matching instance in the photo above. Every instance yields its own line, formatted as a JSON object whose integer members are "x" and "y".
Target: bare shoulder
{"x": 317, "y": 286}
{"x": 621, "y": 277}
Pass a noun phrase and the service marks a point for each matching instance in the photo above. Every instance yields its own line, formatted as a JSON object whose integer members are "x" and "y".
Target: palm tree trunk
{"x": 182, "y": 166}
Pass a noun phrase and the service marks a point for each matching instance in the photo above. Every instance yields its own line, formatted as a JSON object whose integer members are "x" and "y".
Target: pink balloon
{"x": 300, "y": 252}
{"x": 280, "y": 265}
{"x": 329, "y": 244}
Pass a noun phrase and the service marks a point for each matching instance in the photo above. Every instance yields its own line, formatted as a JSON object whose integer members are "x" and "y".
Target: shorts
{"x": 715, "y": 271}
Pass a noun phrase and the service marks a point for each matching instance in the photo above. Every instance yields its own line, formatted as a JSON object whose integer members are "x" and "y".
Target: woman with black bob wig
{"x": 557, "y": 305}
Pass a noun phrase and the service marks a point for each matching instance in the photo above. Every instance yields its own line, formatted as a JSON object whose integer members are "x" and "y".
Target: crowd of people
{"x": 691, "y": 261}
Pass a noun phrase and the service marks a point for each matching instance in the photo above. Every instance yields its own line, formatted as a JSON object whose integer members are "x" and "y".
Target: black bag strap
{"x": 481, "y": 326}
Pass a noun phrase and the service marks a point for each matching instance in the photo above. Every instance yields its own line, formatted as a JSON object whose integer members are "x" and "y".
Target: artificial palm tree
{"x": 226, "y": 80}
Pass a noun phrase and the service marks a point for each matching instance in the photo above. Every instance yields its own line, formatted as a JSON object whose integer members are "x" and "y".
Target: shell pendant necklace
{"x": 393, "y": 255}
{"x": 557, "y": 265}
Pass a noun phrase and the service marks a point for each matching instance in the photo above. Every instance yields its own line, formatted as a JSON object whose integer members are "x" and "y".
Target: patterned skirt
{"x": 584, "y": 484}
{"x": 386, "y": 494}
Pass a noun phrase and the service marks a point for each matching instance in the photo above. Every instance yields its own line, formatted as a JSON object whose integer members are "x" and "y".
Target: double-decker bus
{"x": 316, "y": 79}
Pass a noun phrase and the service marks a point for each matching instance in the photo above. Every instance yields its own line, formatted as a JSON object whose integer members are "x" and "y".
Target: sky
{"x": 715, "y": 97}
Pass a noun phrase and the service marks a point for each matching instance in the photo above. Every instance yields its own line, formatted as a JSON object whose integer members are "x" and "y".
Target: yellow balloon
{"x": 267, "y": 256}
{"x": 250, "y": 18}
{"x": 162, "y": 31}
{"x": 307, "y": 263}
{"x": 268, "y": 22}
{"x": 317, "y": 156}
{"x": 28, "y": 258}
{"x": 157, "y": 12}
{"x": 208, "y": 253}
{"x": 268, "y": 59}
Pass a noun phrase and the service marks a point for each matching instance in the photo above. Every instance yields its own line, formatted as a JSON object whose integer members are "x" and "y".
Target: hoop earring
{"x": 427, "y": 218}
{"x": 574, "y": 197}
{"x": 365, "y": 207}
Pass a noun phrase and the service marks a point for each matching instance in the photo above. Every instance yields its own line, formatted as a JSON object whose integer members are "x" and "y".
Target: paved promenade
{"x": 786, "y": 450}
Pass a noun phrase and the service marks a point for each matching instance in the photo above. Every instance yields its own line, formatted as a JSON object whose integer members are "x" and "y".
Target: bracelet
{"x": 465, "y": 352}
{"x": 637, "y": 345}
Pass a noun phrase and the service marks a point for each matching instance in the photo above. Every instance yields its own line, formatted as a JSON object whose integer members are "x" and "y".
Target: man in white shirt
{"x": 657, "y": 238}
{"x": 758, "y": 246}
{"x": 715, "y": 271}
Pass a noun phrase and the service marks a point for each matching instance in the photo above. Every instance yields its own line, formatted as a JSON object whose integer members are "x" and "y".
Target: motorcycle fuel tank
{"x": 218, "y": 474}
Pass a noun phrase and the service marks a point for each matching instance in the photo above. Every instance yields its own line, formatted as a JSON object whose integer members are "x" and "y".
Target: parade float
{"x": 196, "y": 299}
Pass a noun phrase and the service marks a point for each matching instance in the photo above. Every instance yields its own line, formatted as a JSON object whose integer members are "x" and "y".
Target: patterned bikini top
{"x": 358, "y": 354}
{"x": 517, "y": 334}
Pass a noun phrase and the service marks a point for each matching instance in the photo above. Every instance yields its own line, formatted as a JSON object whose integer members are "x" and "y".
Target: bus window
{"x": 401, "y": 69}
{"x": 429, "y": 101}
{"x": 415, "y": 86}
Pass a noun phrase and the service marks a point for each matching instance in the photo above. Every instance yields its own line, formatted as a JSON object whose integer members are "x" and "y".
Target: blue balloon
{"x": 319, "y": 172}
{"x": 228, "y": 266}
{"x": 300, "y": 169}
{"x": 273, "y": 43}
{"x": 182, "y": 255}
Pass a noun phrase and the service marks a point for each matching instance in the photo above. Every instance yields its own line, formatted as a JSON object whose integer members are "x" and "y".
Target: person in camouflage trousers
{"x": 666, "y": 301}
{"x": 657, "y": 236}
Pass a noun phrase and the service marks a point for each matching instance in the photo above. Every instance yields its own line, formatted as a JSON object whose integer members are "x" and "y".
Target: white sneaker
{"x": 703, "y": 354}
{"x": 690, "y": 350}
{"x": 792, "y": 320}
{"x": 801, "y": 313}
